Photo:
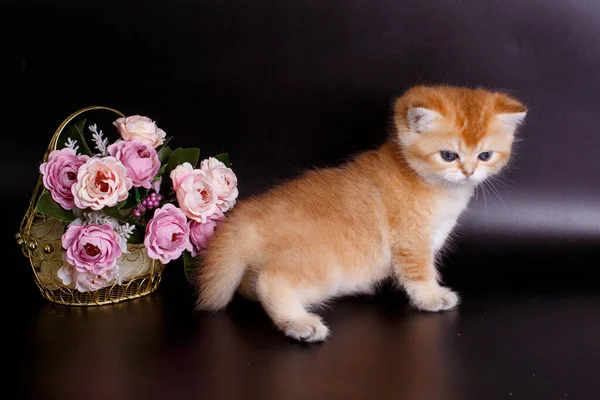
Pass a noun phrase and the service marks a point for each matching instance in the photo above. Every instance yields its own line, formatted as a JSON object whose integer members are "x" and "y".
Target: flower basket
{"x": 97, "y": 231}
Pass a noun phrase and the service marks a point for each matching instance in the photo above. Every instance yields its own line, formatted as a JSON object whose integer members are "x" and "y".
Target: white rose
{"x": 195, "y": 195}
{"x": 223, "y": 182}
{"x": 140, "y": 128}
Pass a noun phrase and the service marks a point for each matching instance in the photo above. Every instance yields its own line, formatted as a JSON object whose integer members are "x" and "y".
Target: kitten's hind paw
{"x": 308, "y": 329}
{"x": 433, "y": 298}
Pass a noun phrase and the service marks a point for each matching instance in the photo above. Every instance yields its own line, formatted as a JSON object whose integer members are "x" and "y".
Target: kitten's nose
{"x": 467, "y": 173}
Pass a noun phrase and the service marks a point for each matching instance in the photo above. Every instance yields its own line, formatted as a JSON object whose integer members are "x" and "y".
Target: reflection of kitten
{"x": 339, "y": 231}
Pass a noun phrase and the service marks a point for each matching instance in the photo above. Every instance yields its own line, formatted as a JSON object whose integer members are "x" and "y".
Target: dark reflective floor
{"x": 499, "y": 344}
{"x": 528, "y": 328}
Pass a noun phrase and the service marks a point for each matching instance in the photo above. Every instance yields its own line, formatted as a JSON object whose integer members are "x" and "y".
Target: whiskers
{"x": 488, "y": 188}
{"x": 493, "y": 186}
{"x": 506, "y": 183}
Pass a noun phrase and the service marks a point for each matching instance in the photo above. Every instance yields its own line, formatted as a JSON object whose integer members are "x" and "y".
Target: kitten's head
{"x": 456, "y": 135}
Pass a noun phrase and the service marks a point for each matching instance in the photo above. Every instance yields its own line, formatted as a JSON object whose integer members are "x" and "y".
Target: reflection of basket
{"x": 40, "y": 239}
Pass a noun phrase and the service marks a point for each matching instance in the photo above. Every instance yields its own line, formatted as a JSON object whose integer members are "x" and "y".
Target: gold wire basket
{"x": 40, "y": 239}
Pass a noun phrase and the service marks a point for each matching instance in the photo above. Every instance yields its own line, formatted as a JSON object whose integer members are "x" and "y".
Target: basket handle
{"x": 23, "y": 237}
{"x": 61, "y": 127}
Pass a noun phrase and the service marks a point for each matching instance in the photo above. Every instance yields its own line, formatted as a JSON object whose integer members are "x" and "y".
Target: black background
{"x": 288, "y": 85}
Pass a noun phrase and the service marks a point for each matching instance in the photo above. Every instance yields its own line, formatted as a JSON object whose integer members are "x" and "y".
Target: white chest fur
{"x": 447, "y": 212}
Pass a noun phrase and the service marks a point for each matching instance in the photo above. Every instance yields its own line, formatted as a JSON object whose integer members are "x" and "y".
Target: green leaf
{"x": 144, "y": 192}
{"x": 114, "y": 212}
{"x": 166, "y": 141}
{"x": 47, "y": 206}
{"x": 123, "y": 216}
{"x": 138, "y": 196}
{"x": 127, "y": 204}
{"x": 83, "y": 142}
{"x": 189, "y": 265}
{"x": 137, "y": 237}
{"x": 75, "y": 132}
{"x": 71, "y": 132}
{"x": 224, "y": 158}
{"x": 163, "y": 154}
{"x": 160, "y": 173}
{"x": 180, "y": 156}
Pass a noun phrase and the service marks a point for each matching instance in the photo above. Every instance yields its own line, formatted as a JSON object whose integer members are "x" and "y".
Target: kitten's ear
{"x": 420, "y": 119}
{"x": 511, "y": 121}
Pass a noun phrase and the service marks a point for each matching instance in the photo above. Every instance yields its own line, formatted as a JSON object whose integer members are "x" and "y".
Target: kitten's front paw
{"x": 308, "y": 329}
{"x": 430, "y": 297}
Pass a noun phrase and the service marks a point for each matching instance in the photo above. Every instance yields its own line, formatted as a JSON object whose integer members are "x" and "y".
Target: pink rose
{"x": 91, "y": 248}
{"x": 87, "y": 281}
{"x": 141, "y": 161}
{"x": 60, "y": 173}
{"x": 167, "y": 234}
{"x": 201, "y": 232}
{"x": 180, "y": 173}
{"x": 194, "y": 192}
{"x": 101, "y": 182}
{"x": 140, "y": 128}
{"x": 223, "y": 181}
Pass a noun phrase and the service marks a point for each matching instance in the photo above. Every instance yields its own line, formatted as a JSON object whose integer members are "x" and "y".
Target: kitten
{"x": 386, "y": 213}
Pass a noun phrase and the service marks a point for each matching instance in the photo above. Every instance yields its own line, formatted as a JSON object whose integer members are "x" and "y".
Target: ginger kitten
{"x": 386, "y": 213}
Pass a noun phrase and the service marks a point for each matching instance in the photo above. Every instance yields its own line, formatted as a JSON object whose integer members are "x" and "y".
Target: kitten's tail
{"x": 221, "y": 269}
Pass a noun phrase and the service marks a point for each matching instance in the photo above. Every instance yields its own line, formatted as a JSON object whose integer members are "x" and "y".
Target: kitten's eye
{"x": 448, "y": 155}
{"x": 486, "y": 155}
